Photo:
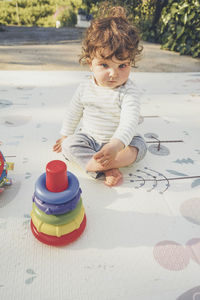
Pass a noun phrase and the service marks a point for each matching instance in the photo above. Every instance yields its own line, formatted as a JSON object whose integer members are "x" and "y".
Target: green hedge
{"x": 38, "y": 12}
{"x": 180, "y": 27}
{"x": 172, "y": 23}
{"x": 67, "y": 17}
{"x": 177, "y": 28}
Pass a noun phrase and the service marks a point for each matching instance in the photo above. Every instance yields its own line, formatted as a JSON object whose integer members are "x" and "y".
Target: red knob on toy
{"x": 56, "y": 176}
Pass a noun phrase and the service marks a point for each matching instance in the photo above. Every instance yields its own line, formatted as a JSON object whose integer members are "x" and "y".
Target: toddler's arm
{"x": 129, "y": 116}
{"x": 58, "y": 145}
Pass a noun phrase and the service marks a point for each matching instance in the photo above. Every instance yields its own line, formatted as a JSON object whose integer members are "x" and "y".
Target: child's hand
{"x": 108, "y": 152}
{"x": 58, "y": 146}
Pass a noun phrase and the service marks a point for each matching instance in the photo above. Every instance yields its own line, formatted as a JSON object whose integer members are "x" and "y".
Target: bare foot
{"x": 113, "y": 177}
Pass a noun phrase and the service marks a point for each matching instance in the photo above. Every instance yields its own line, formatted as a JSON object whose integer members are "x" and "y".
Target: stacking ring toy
{"x": 53, "y": 209}
{"x": 59, "y": 241}
{"x": 57, "y": 219}
{"x": 58, "y": 216}
{"x": 60, "y": 229}
{"x": 45, "y": 195}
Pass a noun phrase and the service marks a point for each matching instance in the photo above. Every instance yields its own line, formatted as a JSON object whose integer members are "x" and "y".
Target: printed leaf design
{"x": 196, "y": 182}
{"x": 30, "y": 271}
{"x": 44, "y": 139}
{"x": 30, "y": 280}
{"x": 176, "y": 173}
{"x": 27, "y": 175}
{"x": 184, "y": 161}
{"x": 151, "y": 135}
{"x": 161, "y": 150}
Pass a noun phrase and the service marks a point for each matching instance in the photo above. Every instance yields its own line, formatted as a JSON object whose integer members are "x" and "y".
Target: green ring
{"x": 57, "y": 219}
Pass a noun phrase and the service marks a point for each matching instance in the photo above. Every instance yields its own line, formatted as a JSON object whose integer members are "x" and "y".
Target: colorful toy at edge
{"x": 58, "y": 216}
{"x": 4, "y": 166}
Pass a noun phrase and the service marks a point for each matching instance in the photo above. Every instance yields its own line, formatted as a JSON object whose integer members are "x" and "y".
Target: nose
{"x": 113, "y": 73}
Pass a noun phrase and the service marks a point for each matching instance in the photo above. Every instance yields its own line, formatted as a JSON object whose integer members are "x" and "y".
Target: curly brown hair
{"x": 111, "y": 36}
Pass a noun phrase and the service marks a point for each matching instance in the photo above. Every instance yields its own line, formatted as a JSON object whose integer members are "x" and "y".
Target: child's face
{"x": 110, "y": 72}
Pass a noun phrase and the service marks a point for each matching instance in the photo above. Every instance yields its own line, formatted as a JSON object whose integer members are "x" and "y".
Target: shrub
{"x": 143, "y": 18}
{"x": 68, "y": 17}
{"x": 180, "y": 27}
{"x": 37, "y": 12}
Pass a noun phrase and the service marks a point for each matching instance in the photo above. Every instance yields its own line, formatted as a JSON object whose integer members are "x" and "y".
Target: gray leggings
{"x": 80, "y": 148}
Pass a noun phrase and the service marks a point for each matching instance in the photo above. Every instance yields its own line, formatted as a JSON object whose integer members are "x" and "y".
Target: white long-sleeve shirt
{"x": 106, "y": 113}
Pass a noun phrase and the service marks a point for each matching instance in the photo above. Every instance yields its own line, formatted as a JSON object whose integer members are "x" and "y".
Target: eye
{"x": 104, "y": 65}
{"x": 122, "y": 66}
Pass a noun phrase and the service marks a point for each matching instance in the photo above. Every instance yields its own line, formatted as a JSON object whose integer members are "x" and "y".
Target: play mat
{"x": 142, "y": 238}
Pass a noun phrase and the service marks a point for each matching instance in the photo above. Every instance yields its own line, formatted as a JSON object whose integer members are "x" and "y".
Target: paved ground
{"x": 32, "y": 48}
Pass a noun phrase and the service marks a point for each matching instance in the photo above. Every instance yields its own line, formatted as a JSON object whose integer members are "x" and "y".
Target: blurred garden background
{"x": 47, "y": 34}
{"x": 174, "y": 24}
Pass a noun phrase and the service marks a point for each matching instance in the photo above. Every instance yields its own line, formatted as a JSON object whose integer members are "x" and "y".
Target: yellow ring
{"x": 58, "y": 230}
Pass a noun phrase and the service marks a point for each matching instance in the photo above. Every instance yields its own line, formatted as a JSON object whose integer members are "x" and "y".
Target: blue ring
{"x": 53, "y": 209}
{"x": 45, "y": 195}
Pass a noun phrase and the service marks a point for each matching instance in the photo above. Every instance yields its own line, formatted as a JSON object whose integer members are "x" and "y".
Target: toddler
{"x": 108, "y": 103}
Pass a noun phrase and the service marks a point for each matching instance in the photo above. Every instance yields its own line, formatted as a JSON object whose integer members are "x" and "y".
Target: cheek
{"x": 102, "y": 73}
{"x": 125, "y": 73}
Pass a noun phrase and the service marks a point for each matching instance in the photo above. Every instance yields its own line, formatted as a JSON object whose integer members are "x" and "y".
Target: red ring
{"x": 59, "y": 241}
